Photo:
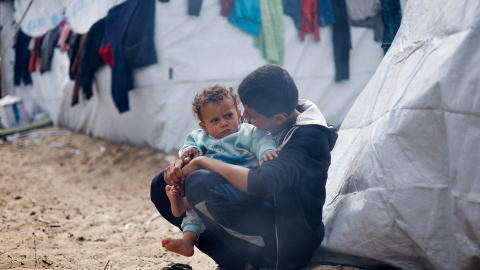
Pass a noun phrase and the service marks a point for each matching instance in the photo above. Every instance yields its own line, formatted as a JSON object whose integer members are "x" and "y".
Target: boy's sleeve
{"x": 304, "y": 157}
{"x": 261, "y": 143}
{"x": 192, "y": 141}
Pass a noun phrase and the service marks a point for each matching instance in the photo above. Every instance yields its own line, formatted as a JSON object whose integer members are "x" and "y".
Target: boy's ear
{"x": 203, "y": 126}
{"x": 280, "y": 118}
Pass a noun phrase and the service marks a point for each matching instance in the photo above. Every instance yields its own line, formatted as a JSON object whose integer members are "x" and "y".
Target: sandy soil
{"x": 68, "y": 201}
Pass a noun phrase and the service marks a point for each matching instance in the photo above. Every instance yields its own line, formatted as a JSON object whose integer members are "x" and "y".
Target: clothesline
{"x": 262, "y": 18}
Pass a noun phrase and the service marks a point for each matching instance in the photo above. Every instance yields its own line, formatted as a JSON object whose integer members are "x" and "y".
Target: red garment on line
{"x": 309, "y": 19}
{"x": 106, "y": 53}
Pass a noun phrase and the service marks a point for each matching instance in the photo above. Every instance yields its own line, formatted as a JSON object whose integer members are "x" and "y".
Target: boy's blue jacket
{"x": 296, "y": 180}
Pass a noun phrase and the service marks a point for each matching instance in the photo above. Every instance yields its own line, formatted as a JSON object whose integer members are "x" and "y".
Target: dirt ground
{"x": 68, "y": 201}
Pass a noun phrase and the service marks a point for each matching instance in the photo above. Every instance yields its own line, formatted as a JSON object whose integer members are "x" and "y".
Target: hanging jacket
{"x": 129, "y": 32}
{"x": 91, "y": 60}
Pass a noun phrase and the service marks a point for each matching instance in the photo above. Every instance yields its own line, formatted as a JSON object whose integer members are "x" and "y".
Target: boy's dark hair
{"x": 269, "y": 90}
{"x": 212, "y": 94}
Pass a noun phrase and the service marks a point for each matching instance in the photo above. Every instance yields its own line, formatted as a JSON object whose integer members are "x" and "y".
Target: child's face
{"x": 260, "y": 121}
{"x": 220, "y": 120}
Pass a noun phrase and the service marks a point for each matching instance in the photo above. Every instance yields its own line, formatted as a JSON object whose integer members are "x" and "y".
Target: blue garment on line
{"x": 325, "y": 13}
{"x": 246, "y": 15}
{"x": 22, "y": 60}
{"x": 129, "y": 29}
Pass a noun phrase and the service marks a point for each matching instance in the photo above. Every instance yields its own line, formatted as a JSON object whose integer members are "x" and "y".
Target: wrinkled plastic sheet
{"x": 404, "y": 184}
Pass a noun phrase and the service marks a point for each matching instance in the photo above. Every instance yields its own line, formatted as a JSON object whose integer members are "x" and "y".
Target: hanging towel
{"x": 270, "y": 39}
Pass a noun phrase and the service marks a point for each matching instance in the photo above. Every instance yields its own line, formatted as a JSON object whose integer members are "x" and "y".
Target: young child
{"x": 221, "y": 137}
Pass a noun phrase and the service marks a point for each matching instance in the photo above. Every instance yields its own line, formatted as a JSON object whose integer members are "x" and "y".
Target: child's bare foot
{"x": 179, "y": 204}
{"x": 182, "y": 246}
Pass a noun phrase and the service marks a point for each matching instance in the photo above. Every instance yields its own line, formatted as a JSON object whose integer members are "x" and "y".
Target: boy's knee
{"x": 157, "y": 185}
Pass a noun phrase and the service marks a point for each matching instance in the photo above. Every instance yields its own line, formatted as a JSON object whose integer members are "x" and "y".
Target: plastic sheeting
{"x": 404, "y": 185}
{"x": 196, "y": 51}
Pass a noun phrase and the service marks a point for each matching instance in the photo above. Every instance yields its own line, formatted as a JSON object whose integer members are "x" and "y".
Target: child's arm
{"x": 189, "y": 154}
{"x": 270, "y": 155}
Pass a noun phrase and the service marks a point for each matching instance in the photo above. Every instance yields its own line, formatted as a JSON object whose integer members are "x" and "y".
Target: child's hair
{"x": 212, "y": 94}
{"x": 269, "y": 90}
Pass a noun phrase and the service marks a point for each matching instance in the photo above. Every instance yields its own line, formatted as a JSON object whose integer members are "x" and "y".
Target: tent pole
{"x": 8, "y": 45}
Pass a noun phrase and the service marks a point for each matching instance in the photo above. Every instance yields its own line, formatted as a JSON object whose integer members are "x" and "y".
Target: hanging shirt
{"x": 47, "y": 48}
{"x": 310, "y": 19}
{"x": 293, "y": 9}
{"x": 35, "y": 57}
{"x": 246, "y": 15}
{"x": 325, "y": 13}
{"x": 194, "y": 7}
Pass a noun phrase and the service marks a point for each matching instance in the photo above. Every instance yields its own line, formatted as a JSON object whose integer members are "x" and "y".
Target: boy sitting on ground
{"x": 221, "y": 137}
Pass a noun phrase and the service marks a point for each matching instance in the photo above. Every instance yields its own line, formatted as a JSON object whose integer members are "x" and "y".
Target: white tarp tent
{"x": 404, "y": 185}
{"x": 200, "y": 51}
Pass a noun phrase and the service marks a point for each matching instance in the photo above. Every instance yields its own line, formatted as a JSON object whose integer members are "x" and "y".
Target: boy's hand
{"x": 173, "y": 175}
{"x": 189, "y": 154}
{"x": 270, "y": 155}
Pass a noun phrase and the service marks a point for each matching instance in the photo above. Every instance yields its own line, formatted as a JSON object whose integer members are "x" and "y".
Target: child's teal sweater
{"x": 244, "y": 147}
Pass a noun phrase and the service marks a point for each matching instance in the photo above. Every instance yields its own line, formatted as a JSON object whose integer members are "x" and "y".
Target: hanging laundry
{"x": 47, "y": 48}
{"x": 22, "y": 59}
{"x": 325, "y": 13}
{"x": 194, "y": 7}
{"x": 309, "y": 19}
{"x": 293, "y": 9}
{"x": 226, "y": 7}
{"x": 367, "y": 13}
{"x": 361, "y": 10}
{"x": 375, "y": 22}
{"x": 341, "y": 41}
{"x": 35, "y": 56}
{"x": 270, "y": 39}
{"x": 75, "y": 70}
{"x": 246, "y": 15}
{"x": 392, "y": 17}
{"x": 91, "y": 60}
{"x": 129, "y": 31}
{"x": 73, "y": 47}
{"x": 62, "y": 43}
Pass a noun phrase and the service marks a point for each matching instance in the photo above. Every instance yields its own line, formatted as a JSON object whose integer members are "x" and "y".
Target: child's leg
{"x": 182, "y": 246}
{"x": 179, "y": 204}
{"x": 192, "y": 227}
